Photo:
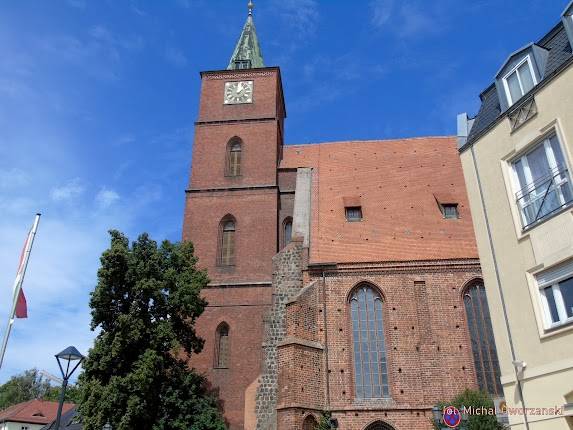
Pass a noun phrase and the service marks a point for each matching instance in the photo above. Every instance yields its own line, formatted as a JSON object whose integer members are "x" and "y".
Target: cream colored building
{"x": 19, "y": 426}
{"x": 517, "y": 157}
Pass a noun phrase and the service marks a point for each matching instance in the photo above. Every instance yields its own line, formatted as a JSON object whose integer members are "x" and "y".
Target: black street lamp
{"x": 69, "y": 354}
{"x": 107, "y": 426}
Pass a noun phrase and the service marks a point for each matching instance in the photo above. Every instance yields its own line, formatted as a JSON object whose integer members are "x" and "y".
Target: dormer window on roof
{"x": 449, "y": 210}
{"x": 447, "y": 203}
{"x": 352, "y": 208}
{"x": 242, "y": 64}
{"x": 519, "y": 81}
{"x": 353, "y": 213}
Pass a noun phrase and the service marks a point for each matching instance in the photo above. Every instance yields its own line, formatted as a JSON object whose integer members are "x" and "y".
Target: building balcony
{"x": 545, "y": 196}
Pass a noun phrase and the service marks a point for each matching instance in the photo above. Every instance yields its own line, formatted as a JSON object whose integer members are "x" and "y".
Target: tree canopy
{"x": 32, "y": 385}
{"x": 145, "y": 305}
{"x": 475, "y": 399}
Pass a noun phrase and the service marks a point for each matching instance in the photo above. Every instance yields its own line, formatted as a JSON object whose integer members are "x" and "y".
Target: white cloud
{"x": 301, "y": 15}
{"x": 409, "y": 18}
{"x": 49, "y": 162}
{"x": 13, "y": 178}
{"x": 68, "y": 192}
{"x": 381, "y": 12}
{"x": 185, "y": 4}
{"x": 175, "y": 56}
{"x": 79, "y": 4}
{"x": 106, "y": 197}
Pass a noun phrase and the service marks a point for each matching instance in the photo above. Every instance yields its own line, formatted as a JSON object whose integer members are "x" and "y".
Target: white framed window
{"x": 542, "y": 181}
{"x": 519, "y": 80}
{"x": 556, "y": 294}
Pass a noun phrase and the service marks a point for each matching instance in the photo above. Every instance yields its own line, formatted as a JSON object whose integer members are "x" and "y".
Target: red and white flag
{"x": 20, "y": 305}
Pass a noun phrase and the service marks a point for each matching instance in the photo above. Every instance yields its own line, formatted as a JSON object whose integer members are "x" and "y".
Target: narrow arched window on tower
{"x": 234, "y": 150}
{"x": 309, "y": 423}
{"x": 481, "y": 336}
{"x": 287, "y": 231}
{"x": 227, "y": 242}
{"x": 370, "y": 365}
{"x": 222, "y": 346}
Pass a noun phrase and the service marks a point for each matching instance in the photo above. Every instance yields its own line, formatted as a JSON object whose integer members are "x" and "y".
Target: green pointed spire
{"x": 247, "y": 54}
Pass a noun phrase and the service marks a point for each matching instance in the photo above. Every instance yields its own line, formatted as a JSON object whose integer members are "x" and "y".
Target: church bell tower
{"x": 231, "y": 213}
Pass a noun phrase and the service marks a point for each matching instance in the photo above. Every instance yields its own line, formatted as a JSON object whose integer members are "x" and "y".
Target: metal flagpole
{"x": 18, "y": 285}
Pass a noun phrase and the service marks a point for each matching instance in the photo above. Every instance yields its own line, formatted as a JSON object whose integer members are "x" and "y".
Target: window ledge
{"x": 225, "y": 268}
{"x": 553, "y": 331}
{"x": 377, "y": 403}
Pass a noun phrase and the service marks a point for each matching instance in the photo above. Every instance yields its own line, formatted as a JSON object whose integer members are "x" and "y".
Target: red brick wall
{"x": 427, "y": 344}
{"x": 292, "y": 418}
{"x": 256, "y": 214}
{"x": 259, "y": 156}
{"x": 267, "y": 95}
{"x": 242, "y": 308}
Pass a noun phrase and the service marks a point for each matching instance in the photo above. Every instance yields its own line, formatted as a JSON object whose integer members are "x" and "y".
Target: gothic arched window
{"x": 222, "y": 346}
{"x": 226, "y": 252}
{"x": 379, "y": 425}
{"x": 234, "y": 150}
{"x": 309, "y": 423}
{"x": 481, "y": 335}
{"x": 370, "y": 364}
{"x": 287, "y": 231}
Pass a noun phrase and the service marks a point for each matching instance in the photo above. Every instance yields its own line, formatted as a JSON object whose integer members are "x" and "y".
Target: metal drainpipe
{"x": 325, "y": 341}
{"x": 501, "y": 295}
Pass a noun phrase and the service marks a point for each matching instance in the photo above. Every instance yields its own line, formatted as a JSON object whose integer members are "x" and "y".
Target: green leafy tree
{"x": 324, "y": 421}
{"x": 475, "y": 399}
{"x": 31, "y": 385}
{"x": 72, "y": 394}
{"x": 145, "y": 304}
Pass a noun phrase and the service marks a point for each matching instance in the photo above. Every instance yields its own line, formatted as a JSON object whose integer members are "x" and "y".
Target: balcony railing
{"x": 545, "y": 196}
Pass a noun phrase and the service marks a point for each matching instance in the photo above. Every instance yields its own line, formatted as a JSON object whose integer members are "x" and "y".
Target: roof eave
{"x": 534, "y": 91}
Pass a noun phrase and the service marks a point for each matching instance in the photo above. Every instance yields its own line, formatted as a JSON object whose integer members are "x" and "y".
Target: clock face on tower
{"x": 238, "y": 92}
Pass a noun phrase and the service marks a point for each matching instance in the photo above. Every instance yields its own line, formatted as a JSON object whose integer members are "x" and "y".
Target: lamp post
{"x": 107, "y": 426}
{"x": 67, "y": 355}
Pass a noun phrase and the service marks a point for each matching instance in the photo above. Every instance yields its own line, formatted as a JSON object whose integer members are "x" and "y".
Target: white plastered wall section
{"x": 548, "y": 377}
{"x": 302, "y": 205}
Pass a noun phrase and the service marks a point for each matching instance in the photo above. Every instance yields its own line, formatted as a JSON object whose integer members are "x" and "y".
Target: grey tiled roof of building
{"x": 557, "y": 42}
{"x": 70, "y": 421}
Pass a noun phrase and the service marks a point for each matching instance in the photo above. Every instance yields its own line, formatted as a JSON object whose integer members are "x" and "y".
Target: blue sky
{"x": 98, "y": 100}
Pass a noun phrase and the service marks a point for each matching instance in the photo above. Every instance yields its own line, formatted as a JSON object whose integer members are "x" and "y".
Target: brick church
{"x": 344, "y": 275}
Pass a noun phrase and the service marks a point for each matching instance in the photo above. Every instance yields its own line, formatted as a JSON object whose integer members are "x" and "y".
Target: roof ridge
{"x": 371, "y": 140}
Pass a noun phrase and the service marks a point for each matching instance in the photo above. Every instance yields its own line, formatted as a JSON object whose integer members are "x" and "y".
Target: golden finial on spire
{"x": 251, "y": 6}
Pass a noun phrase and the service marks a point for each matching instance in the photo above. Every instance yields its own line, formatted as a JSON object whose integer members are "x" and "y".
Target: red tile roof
{"x": 33, "y": 412}
{"x": 397, "y": 183}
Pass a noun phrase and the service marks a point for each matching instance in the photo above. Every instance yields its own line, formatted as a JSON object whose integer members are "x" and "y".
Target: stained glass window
{"x": 222, "y": 346}
{"x": 234, "y": 157}
{"x": 309, "y": 423}
{"x": 481, "y": 335}
{"x": 379, "y": 425}
{"x": 370, "y": 364}
{"x": 287, "y": 231}
{"x": 227, "y": 243}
